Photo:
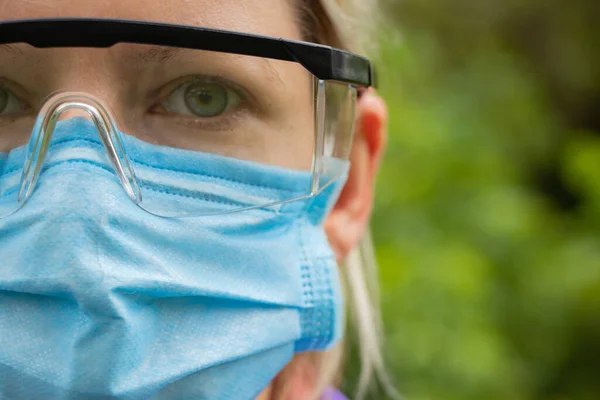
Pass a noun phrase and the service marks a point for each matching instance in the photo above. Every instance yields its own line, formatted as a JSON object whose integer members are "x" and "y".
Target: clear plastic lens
{"x": 187, "y": 132}
{"x": 340, "y": 107}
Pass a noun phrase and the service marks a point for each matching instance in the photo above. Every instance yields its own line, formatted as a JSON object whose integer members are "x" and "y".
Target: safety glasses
{"x": 159, "y": 93}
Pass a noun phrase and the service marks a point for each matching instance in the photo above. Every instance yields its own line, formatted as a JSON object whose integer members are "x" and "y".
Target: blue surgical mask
{"x": 102, "y": 300}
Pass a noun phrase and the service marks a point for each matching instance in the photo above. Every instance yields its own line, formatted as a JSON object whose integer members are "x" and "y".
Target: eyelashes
{"x": 202, "y": 98}
{"x": 10, "y": 104}
{"x": 201, "y": 102}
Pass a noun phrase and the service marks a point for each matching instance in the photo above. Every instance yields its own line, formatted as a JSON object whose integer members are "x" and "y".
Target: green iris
{"x": 206, "y": 99}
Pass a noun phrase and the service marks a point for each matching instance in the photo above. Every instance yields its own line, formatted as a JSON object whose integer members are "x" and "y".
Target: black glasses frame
{"x": 324, "y": 62}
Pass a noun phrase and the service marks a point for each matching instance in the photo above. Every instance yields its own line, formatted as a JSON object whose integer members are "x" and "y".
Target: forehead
{"x": 265, "y": 17}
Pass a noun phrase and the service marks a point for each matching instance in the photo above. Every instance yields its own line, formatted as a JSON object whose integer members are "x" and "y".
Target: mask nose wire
{"x": 106, "y": 128}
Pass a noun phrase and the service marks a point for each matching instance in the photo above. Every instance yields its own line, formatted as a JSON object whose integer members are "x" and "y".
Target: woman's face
{"x": 93, "y": 71}
{"x": 145, "y": 87}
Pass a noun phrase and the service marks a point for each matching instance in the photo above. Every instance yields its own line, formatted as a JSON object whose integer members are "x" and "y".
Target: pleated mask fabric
{"x": 101, "y": 300}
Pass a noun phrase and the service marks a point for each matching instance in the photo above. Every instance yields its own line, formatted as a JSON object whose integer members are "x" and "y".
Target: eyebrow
{"x": 153, "y": 54}
{"x": 160, "y": 54}
{"x": 163, "y": 54}
{"x": 9, "y": 48}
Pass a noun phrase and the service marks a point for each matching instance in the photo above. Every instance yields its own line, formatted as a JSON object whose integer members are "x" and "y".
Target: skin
{"x": 349, "y": 219}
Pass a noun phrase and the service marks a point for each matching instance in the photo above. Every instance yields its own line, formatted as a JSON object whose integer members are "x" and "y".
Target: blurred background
{"x": 487, "y": 222}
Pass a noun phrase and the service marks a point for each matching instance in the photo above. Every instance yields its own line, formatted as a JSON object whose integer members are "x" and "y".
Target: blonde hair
{"x": 359, "y": 274}
{"x": 348, "y": 24}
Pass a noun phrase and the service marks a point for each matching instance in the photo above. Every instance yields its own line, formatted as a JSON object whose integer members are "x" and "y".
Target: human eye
{"x": 202, "y": 98}
{"x": 10, "y": 104}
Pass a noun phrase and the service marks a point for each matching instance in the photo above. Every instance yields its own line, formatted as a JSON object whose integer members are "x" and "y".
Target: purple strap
{"x": 332, "y": 394}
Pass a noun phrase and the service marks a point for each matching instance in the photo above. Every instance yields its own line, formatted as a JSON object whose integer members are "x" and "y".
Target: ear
{"x": 349, "y": 218}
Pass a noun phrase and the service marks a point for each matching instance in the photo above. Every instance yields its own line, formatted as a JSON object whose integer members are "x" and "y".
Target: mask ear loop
{"x": 42, "y": 134}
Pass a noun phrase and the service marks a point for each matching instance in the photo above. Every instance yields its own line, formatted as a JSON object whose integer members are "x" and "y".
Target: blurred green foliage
{"x": 487, "y": 217}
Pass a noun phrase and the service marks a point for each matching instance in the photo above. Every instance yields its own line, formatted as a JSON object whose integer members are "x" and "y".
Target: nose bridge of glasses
{"x": 63, "y": 107}
{"x": 74, "y": 109}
